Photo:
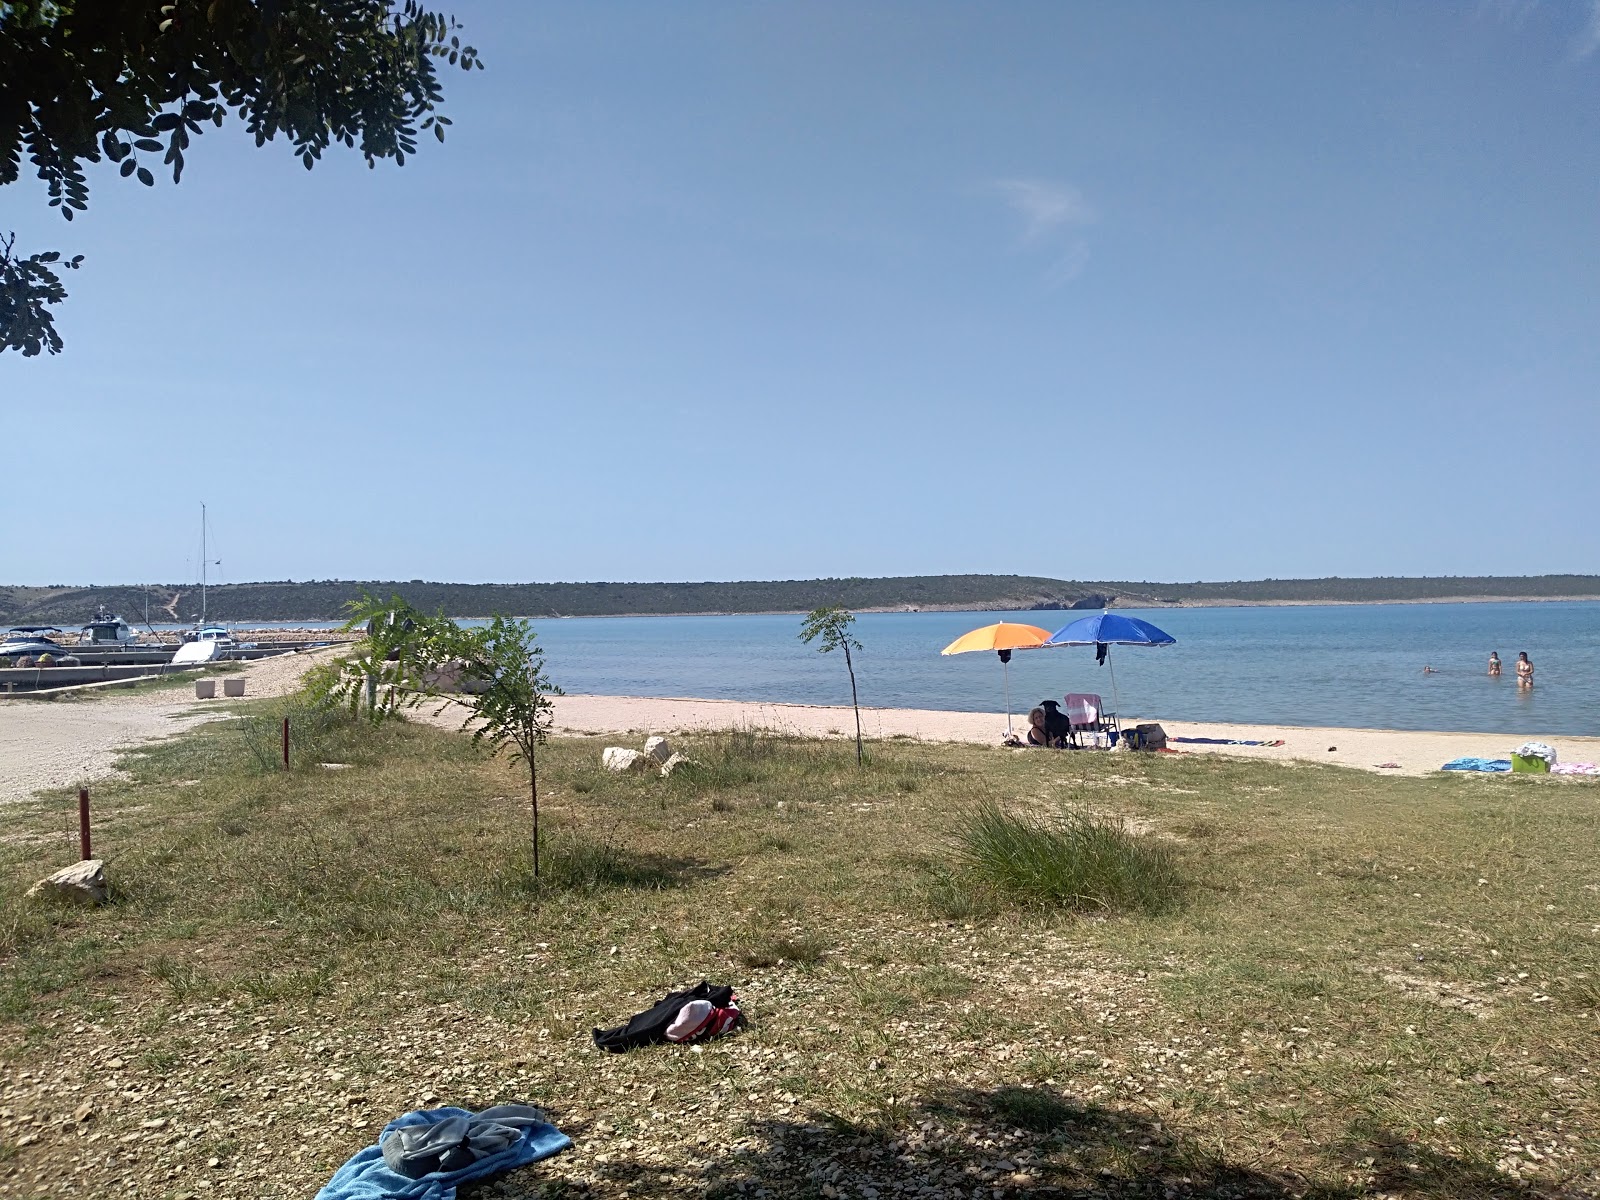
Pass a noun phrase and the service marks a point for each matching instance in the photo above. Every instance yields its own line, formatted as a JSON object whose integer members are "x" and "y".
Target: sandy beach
{"x": 61, "y": 744}
{"x": 1414, "y": 752}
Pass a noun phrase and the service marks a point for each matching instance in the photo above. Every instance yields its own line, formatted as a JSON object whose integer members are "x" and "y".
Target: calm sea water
{"x": 1345, "y": 665}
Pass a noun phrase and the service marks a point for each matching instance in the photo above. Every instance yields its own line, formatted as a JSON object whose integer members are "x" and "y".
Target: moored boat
{"x": 32, "y": 641}
{"x": 107, "y": 631}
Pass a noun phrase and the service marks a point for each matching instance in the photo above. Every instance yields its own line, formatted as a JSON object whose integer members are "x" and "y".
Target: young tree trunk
{"x": 533, "y": 789}
{"x": 854, "y": 703}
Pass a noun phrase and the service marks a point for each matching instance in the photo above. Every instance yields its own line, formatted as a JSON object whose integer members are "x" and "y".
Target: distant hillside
{"x": 1379, "y": 590}
{"x": 324, "y": 600}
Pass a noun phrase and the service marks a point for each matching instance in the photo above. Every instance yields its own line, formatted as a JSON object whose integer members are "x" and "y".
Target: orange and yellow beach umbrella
{"x": 1002, "y": 638}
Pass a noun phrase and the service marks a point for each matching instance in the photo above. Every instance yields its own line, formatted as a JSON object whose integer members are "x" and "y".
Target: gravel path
{"x": 63, "y": 743}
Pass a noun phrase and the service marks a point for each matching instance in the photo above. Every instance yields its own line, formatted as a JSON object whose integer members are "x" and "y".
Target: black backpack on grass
{"x": 650, "y": 1027}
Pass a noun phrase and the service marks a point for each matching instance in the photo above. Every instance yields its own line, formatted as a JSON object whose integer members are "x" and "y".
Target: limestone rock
{"x": 83, "y": 882}
{"x": 616, "y": 758}
{"x": 446, "y": 677}
{"x": 658, "y": 749}
{"x": 674, "y": 762}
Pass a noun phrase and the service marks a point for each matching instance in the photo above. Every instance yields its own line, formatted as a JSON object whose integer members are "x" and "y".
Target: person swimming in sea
{"x": 1494, "y": 662}
{"x": 1524, "y": 670}
{"x": 1429, "y": 671}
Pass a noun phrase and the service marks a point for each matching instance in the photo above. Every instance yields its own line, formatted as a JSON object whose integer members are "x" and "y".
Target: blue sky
{"x": 711, "y": 291}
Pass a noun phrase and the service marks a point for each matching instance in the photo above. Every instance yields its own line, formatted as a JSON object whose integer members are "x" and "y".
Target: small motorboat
{"x": 32, "y": 641}
{"x": 107, "y": 631}
{"x": 220, "y": 634}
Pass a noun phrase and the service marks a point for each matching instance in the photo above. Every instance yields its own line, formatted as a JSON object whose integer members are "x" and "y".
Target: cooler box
{"x": 1529, "y": 764}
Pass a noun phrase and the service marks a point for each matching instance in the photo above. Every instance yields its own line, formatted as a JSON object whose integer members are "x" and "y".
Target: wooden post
{"x": 83, "y": 823}
{"x": 286, "y": 743}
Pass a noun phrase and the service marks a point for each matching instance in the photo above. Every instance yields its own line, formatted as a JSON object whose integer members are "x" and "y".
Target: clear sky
{"x": 714, "y": 291}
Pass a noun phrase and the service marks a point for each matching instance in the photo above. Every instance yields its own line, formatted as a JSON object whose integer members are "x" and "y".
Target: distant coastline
{"x": 326, "y": 600}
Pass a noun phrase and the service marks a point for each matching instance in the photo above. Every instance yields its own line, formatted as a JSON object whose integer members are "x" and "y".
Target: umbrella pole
{"x": 1006, "y": 667}
{"x": 1115, "y": 699}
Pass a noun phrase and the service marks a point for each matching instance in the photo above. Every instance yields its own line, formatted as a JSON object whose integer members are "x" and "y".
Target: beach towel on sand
{"x": 1477, "y": 764}
{"x": 1224, "y": 742}
{"x": 1575, "y": 769}
{"x": 424, "y": 1155}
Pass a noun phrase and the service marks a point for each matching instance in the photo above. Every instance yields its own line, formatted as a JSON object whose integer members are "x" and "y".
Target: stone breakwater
{"x": 278, "y": 635}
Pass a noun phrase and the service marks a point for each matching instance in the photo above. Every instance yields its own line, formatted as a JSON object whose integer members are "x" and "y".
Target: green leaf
{"x": 145, "y": 177}
{"x": 129, "y": 166}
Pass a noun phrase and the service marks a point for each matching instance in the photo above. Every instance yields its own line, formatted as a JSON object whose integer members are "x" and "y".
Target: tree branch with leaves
{"x": 396, "y": 666}
{"x": 28, "y": 287}
{"x": 408, "y": 657}
{"x": 131, "y": 80}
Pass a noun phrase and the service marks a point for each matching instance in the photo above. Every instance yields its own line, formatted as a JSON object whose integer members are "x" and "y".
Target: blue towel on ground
{"x": 1477, "y": 764}
{"x": 367, "y": 1176}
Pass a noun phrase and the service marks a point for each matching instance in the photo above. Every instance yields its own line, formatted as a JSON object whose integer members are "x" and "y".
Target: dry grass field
{"x": 1326, "y": 983}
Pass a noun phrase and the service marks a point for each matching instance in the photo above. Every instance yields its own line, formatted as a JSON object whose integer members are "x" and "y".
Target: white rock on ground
{"x": 83, "y": 882}
{"x": 676, "y": 761}
{"x": 616, "y": 758}
{"x": 658, "y": 749}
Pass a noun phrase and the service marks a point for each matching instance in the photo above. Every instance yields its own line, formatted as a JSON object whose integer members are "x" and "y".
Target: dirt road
{"x": 64, "y": 743}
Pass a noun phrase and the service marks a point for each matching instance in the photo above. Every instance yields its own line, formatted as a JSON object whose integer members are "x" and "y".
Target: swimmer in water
{"x": 1429, "y": 671}
{"x": 1494, "y": 662}
{"x": 1524, "y": 670}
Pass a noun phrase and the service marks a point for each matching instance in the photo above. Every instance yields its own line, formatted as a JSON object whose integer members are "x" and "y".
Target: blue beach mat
{"x": 1492, "y": 765}
{"x": 464, "y": 1145}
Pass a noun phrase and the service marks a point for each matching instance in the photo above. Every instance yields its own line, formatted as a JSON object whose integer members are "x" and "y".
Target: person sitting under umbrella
{"x": 1037, "y": 736}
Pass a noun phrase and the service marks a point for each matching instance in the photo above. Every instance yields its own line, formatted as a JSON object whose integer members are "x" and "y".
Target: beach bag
{"x": 1145, "y": 737}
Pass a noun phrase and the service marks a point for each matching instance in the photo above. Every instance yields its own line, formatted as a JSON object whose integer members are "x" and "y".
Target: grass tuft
{"x": 1081, "y": 861}
{"x": 776, "y": 949}
{"x": 1034, "y": 1109}
{"x": 318, "y": 732}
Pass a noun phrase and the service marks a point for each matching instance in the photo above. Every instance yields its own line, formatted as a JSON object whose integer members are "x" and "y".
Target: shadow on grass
{"x": 573, "y": 863}
{"x": 1015, "y": 1141}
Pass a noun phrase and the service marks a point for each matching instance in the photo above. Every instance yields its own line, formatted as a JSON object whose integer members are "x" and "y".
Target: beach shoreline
{"x": 44, "y": 744}
{"x": 1415, "y": 752}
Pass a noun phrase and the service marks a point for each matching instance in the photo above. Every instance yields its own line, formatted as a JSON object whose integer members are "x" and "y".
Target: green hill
{"x": 324, "y": 600}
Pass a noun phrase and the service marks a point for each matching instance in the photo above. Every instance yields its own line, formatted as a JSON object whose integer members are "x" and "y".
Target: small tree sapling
{"x": 831, "y": 625}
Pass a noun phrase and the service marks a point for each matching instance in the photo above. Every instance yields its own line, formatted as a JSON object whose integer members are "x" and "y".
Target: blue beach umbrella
{"x": 1107, "y": 629}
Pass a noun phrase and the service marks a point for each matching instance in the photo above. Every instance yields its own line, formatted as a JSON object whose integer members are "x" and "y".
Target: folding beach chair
{"x": 1088, "y": 716}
